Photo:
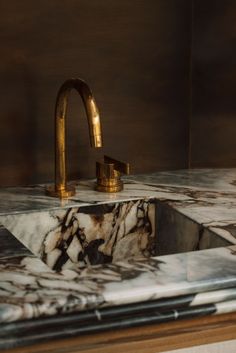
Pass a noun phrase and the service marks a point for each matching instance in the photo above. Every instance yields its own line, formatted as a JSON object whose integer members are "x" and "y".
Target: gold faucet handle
{"x": 108, "y": 174}
{"x": 121, "y": 167}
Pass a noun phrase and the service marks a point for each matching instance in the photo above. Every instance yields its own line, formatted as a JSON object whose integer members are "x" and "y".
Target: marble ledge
{"x": 29, "y": 289}
{"x": 66, "y": 326}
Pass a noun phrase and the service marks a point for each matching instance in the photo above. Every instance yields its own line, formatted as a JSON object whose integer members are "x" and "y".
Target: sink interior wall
{"x": 113, "y": 232}
{"x": 176, "y": 233}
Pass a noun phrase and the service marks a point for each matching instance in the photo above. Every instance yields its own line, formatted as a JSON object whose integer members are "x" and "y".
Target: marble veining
{"x": 121, "y": 231}
{"x": 64, "y": 234}
{"x": 205, "y": 196}
{"x": 88, "y": 235}
{"x": 29, "y": 289}
{"x": 201, "y": 179}
{"x": 66, "y": 326}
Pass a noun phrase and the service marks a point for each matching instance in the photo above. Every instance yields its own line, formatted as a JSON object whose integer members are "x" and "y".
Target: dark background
{"x": 134, "y": 54}
{"x": 213, "y": 126}
{"x": 163, "y": 73}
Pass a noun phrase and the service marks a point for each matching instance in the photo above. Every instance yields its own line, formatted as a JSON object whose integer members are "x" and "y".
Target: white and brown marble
{"x": 87, "y": 235}
{"x": 29, "y": 289}
{"x": 194, "y": 210}
{"x": 100, "y": 246}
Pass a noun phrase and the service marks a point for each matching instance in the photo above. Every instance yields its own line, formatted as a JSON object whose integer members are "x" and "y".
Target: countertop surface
{"x": 207, "y": 278}
{"x": 181, "y": 185}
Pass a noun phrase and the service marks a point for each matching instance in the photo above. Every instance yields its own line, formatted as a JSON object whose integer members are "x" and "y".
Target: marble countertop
{"x": 29, "y": 289}
{"x": 174, "y": 185}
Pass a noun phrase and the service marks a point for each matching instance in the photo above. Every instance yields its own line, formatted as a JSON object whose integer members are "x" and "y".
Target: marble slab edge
{"x": 28, "y": 289}
{"x": 161, "y": 305}
{"x": 23, "y": 337}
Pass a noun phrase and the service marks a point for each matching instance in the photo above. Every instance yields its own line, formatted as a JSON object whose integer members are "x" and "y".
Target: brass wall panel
{"x": 135, "y": 56}
{"x": 214, "y": 84}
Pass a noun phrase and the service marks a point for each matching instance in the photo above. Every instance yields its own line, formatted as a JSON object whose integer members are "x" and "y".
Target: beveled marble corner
{"x": 88, "y": 235}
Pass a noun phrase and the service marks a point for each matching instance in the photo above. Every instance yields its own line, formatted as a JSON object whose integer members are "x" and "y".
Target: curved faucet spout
{"x": 61, "y": 189}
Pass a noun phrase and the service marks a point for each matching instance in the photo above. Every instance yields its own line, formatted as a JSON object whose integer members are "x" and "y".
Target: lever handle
{"x": 108, "y": 174}
{"x": 121, "y": 167}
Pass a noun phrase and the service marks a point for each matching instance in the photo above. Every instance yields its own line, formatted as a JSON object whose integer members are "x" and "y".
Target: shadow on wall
{"x": 214, "y": 84}
{"x": 134, "y": 54}
{"x": 19, "y": 123}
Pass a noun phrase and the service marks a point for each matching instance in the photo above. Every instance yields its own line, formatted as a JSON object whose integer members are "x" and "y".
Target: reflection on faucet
{"x": 61, "y": 189}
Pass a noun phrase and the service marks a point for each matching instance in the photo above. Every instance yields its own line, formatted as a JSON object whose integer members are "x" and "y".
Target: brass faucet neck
{"x": 61, "y": 188}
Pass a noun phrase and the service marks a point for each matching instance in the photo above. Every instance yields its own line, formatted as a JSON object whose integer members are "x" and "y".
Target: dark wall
{"x": 134, "y": 54}
{"x": 213, "y": 127}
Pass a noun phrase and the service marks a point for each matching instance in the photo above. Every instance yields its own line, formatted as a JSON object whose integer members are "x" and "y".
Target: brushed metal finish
{"x": 108, "y": 174}
{"x": 61, "y": 189}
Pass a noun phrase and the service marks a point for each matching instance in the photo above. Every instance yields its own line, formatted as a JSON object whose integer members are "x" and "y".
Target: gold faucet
{"x": 61, "y": 189}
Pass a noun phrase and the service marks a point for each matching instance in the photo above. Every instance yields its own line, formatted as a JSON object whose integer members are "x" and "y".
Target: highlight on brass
{"x": 61, "y": 189}
{"x": 108, "y": 174}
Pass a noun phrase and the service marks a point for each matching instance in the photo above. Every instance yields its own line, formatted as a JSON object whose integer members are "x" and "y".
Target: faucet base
{"x": 62, "y": 194}
{"x": 108, "y": 174}
{"x": 111, "y": 185}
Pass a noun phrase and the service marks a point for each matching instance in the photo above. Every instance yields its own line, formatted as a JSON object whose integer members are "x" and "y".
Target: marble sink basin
{"x": 108, "y": 233}
{"x": 176, "y": 232}
{"x": 88, "y": 235}
{"x": 160, "y": 214}
{"x": 165, "y": 213}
